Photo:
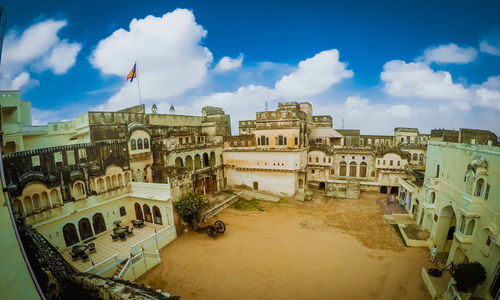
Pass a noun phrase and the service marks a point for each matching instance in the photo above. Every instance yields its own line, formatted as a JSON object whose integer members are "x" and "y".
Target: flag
{"x": 132, "y": 74}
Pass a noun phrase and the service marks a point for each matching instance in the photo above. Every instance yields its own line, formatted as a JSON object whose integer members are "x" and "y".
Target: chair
{"x": 122, "y": 236}
{"x": 130, "y": 231}
{"x": 74, "y": 255}
{"x": 91, "y": 248}
{"x": 114, "y": 236}
{"x": 84, "y": 256}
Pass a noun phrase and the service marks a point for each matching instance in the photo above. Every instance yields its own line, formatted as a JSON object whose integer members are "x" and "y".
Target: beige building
{"x": 460, "y": 205}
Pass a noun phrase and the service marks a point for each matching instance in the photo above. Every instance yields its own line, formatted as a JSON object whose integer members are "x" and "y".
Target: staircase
{"x": 119, "y": 268}
{"x": 352, "y": 189}
{"x": 245, "y": 195}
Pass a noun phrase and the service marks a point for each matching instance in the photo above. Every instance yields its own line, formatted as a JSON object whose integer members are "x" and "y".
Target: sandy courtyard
{"x": 324, "y": 249}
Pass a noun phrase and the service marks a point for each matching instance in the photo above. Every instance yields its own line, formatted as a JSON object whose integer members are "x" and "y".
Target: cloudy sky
{"x": 375, "y": 64}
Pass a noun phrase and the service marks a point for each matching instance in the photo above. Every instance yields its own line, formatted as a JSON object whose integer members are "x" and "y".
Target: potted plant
{"x": 468, "y": 276}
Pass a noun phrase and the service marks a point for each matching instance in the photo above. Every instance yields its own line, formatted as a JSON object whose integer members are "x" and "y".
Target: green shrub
{"x": 190, "y": 208}
{"x": 468, "y": 276}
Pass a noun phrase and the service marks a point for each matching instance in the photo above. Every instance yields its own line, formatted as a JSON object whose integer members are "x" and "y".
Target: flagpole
{"x": 138, "y": 82}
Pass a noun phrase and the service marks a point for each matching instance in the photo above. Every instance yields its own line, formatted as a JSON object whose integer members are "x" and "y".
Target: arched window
{"x": 146, "y": 143}
{"x": 108, "y": 183}
{"x": 212, "y": 159}
{"x": 352, "y": 169}
{"x": 133, "y": 145}
{"x": 479, "y": 187}
{"x": 98, "y": 222}
{"x": 18, "y": 207}
{"x": 70, "y": 234}
{"x": 28, "y": 205}
{"x": 469, "y": 181}
{"x": 139, "y": 144}
{"x": 147, "y": 213}
{"x": 138, "y": 211}
{"x": 36, "y": 201}
{"x": 85, "y": 229}
{"x": 189, "y": 162}
{"x": 197, "y": 162}
{"x": 470, "y": 227}
{"x": 462, "y": 224}
{"x": 179, "y": 163}
{"x": 45, "y": 200}
{"x": 415, "y": 156}
{"x": 206, "y": 161}
{"x": 100, "y": 186}
{"x": 157, "y": 215}
{"x": 421, "y": 157}
{"x": 343, "y": 168}
{"x": 362, "y": 169}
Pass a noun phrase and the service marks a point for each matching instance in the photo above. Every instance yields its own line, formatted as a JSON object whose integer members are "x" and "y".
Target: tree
{"x": 468, "y": 276}
{"x": 190, "y": 207}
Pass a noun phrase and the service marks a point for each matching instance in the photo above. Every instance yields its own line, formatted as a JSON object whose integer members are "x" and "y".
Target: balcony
{"x": 462, "y": 238}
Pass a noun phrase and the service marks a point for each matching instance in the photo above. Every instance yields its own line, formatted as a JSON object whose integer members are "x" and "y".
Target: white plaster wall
{"x": 269, "y": 181}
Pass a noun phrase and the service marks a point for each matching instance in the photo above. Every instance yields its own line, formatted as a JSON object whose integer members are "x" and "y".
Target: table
{"x": 138, "y": 223}
{"x": 117, "y": 223}
{"x": 120, "y": 230}
{"x": 80, "y": 248}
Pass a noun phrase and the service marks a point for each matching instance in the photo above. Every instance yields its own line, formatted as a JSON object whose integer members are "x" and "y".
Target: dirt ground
{"x": 323, "y": 249}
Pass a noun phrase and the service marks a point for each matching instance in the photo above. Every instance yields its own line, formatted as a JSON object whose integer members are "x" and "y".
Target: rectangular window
{"x": 258, "y": 141}
{"x": 317, "y": 159}
{"x": 70, "y": 156}
{"x": 384, "y": 162}
{"x": 312, "y": 171}
{"x": 35, "y": 160}
{"x": 399, "y": 163}
{"x": 310, "y": 159}
{"x": 390, "y": 162}
{"x": 437, "y": 171}
{"x": 324, "y": 159}
{"x": 267, "y": 141}
{"x": 296, "y": 141}
{"x": 82, "y": 153}
{"x": 332, "y": 171}
{"x": 122, "y": 211}
{"x": 180, "y": 140}
{"x": 487, "y": 192}
{"x": 318, "y": 141}
{"x": 329, "y": 160}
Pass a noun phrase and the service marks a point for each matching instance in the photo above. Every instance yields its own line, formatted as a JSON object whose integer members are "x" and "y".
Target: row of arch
{"x": 199, "y": 161}
{"x": 85, "y": 229}
{"x": 139, "y": 144}
{"x": 144, "y": 213}
{"x": 353, "y": 166}
{"x": 113, "y": 182}
{"x": 37, "y": 202}
{"x": 416, "y": 156}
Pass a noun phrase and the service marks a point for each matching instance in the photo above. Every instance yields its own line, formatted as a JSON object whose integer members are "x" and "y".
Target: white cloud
{"x": 62, "y": 57}
{"x": 227, "y": 63}
{"x": 400, "y": 111}
{"x": 314, "y": 75}
{"x": 37, "y": 48}
{"x": 170, "y": 59}
{"x": 488, "y": 93}
{"x": 416, "y": 79}
{"x": 450, "y": 53}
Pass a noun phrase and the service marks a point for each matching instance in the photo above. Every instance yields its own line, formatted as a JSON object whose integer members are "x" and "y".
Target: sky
{"x": 374, "y": 64}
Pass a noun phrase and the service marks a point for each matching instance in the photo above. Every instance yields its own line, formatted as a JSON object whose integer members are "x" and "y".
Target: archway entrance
{"x": 138, "y": 211}
{"x": 383, "y": 190}
{"x": 157, "y": 215}
{"x": 445, "y": 229}
{"x": 98, "y": 222}
{"x": 394, "y": 190}
{"x": 321, "y": 186}
{"x": 85, "y": 229}
{"x": 70, "y": 234}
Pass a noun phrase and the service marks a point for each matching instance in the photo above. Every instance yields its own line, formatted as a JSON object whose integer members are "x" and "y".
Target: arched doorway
{"x": 212, "y": 159}
{"x": 108, "y": 183}
{"x": 197, "y": 162}
{"x": 36, "y": 201}
{"x": 189, "y": 162}
{"x": 147, "y": 213}
{"x": 383, "y": 190}
{"x": 206, "y": 161}
{"x": 98, "y": 222}
{"x": 446, "y": 225}
{"x": 45, "y": 200}
{"x": 70, "y": 234}
{"x": 179, "y": 163}
{"x": 157, "y": 215}
{"x": 362, "y": 169}
{"x": 85, "y": 229}
{"x": 54, "y": 197}
{"x": 100, "y": 186}
{"x": 394, "y": 190}
{"x": 352, "y": 169}
{"x": 17, "y": 207}
{"x": 138, "y": 211}
{"x": 78, "y": 191}
{"x": 321, "y": 186}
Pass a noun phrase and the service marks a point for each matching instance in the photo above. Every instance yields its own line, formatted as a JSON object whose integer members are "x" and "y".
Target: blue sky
{"x": 376, "y": 64}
